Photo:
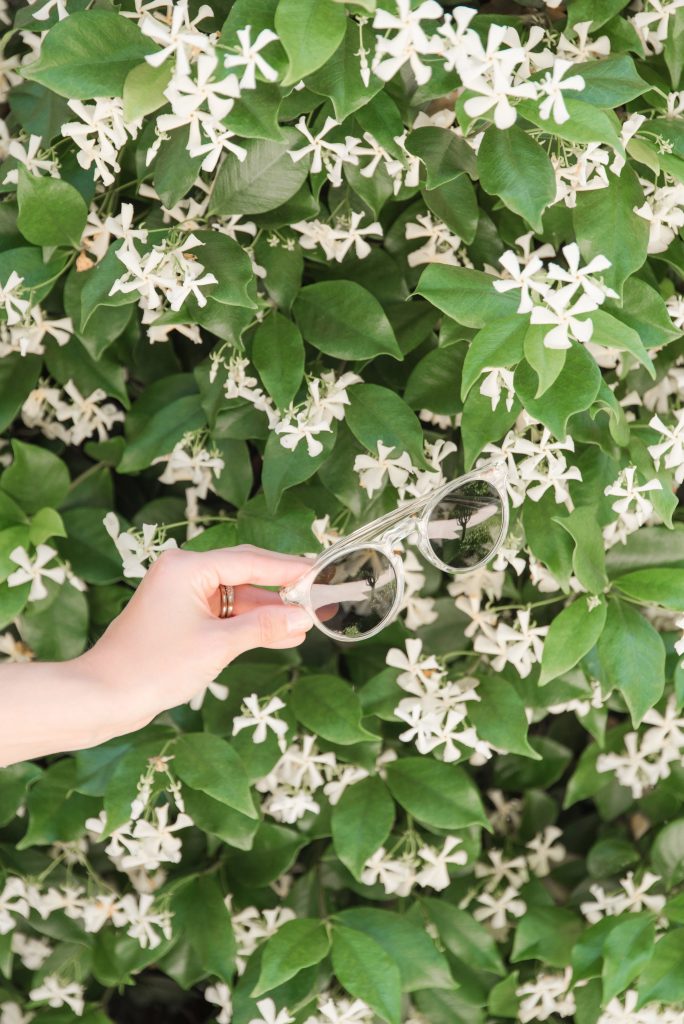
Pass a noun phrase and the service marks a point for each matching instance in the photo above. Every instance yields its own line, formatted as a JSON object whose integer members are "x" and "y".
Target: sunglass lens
{"x": 466, "y": 524}
{"x": 354, "y": 593}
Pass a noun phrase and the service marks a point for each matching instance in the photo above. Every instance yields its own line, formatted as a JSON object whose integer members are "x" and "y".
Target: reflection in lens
{"x": 354, "y": 593}
{"x": 466, "y": 524}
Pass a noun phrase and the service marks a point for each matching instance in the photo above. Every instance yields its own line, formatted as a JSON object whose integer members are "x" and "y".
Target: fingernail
{"x": 297, "y": 620}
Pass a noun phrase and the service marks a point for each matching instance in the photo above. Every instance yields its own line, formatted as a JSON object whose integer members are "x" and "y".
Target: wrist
{"x": 116, "y": 703}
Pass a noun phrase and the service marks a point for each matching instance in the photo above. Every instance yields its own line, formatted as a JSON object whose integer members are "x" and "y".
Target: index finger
{"x": 247, "y": 563}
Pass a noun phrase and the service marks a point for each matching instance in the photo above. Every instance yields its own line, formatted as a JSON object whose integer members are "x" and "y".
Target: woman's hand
{"x": 168, "y": 643}
{"x": 165, "y": 646}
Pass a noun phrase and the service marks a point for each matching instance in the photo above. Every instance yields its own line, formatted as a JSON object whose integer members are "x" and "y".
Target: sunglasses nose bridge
{"x": 400, "y": 530}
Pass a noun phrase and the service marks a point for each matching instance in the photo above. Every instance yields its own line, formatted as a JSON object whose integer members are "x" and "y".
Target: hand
{"x": 168, "y": 643}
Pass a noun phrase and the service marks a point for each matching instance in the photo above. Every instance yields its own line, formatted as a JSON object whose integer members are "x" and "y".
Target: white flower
{"x": 15, "y": 306}
{"x": 218, "y": 690}
{"x": 498, "y": 381}
{"x": 220, "y": 995}
{"x": 546, "y": 995}
{"x": 60, "y": 993}
{"x": 12, "y": 1013}
{"x": 552, "y": 86}
{"x": 672, "y": 448}
{"x": 558, "y": 312}
{"x": 513, "y": 872}
{"x": 520, "y": 644}
{"x": 497, "y": 93}
{"x": 136, "y": 548}
{"x": 33, "y": 570}
{"x": 581, "y": 277}
{"x": 259, "y": 718}
{"x": 12, "y": 901}
{"x": 524, "y": 273}
{"x": 372, "y": 470}
{"x": 495, "y": 909}
{"x": 409, "y": 42}
{"x": 143, "y": 920}
{"x": 178, "y": 36}
{"x": 632, "y": 507}
{"x": 543, "y": 851}
{"x": 441, "y": 245}
{"x": 269, "y": 1014}
{"x": 396, "y": 876}
{"x": 249, "y": 57}
{"x": 435, "y": 873}
{"x": 317, "y": 145}
{"x": 418, "y": 673}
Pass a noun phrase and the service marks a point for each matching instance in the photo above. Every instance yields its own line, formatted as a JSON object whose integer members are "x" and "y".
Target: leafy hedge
{"x": 266, "y": 269}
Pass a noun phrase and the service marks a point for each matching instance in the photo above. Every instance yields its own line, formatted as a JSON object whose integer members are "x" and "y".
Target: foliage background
{"x": 266, "y": 894}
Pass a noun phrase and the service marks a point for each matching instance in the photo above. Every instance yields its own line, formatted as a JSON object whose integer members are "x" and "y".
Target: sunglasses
{"x": 356, "y": 586}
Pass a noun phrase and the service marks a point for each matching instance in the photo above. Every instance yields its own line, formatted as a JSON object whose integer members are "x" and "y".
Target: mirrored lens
{"x": 465, "y": 526}
{"x": 354, "y": 593}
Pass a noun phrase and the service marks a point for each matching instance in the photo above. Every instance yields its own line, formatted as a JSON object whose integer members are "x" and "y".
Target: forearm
{"x": 50, "y": 707}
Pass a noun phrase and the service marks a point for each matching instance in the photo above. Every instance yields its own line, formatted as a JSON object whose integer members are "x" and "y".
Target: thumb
{"x": 269, "y": 625}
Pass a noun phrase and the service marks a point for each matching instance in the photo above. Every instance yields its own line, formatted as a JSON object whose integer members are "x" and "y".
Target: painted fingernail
{"x": 297, "y": 620}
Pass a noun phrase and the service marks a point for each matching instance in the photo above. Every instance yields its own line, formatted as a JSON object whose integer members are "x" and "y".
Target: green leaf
{"x": 587, "y": 10}
{"x": 497, "y": 344}
{"x": 265, "y": 179}
{"x": 435, "y": 793}
{"x": 98, "y": 284}
{"x": 228, "y": 261}
{"x": 663, "y": 587}
{"x": 455, "y": 203}
{"x": 644, "y": 309}
{"x": 547, "y": 363}
{"x": 432, "y": 381}
{"x": 272, "y": 853}
{"x": 329, "y": 707}
{"x": 463, "y": 936}
{"x": 51, "y": 212}
{"x": 14, "y": 782}
{"x": 55, "y": 811}
{"x": 467, "y": 296}
{"x": 202, "y": 918}
{"x": 444, "y": 154}
{"x": 378, "y": 414}
{"x": 572, "y": 634}
{"x": 88, "y": 547}
{"x": 296, "y": 945}
{"x": 161, "y": 432}
{"x": 499, "y": 716}
{"x": 278, "y": 354}
{"x": 342, "y": 319}
{"x": 481, "y": 424}
{"x": 667, "y": 853}
{"x": 674, "y": 47}
{"x": 574, "y": 390}
{"x": 586, "y": 122}
{"x": 206, "y": 762}
{"x": 288, "y": 530}
{"x": 632, "y": 657}
{"x": 39, "y": 276}
{"x": 420, "y": 963}
{"x": 339, "y": 79}
{"x": 610, "y": 82}
{"x": 60, "y": 630}
{"x": 310, "y": 32}
{"x": 143, "y": 90}
{"x": 516, "y": 168}
{"x": 627, "y": 950}
{"x": 606, "y": 224}
{"x": 367, "y": 972}
{"x": 588, "y": 559}
{"x": 662, "y": 980}
{"x": 612, "y": 333}
{"x": 89, "y": 54}
{"x": 18, "y": 376}
{"x": 361, "y": 822}
{"x": 216, "y": 818}
{"x": 38, "y": 110}
{"x": 35, "y": 478}
{"x": 175, "y": 171}
{"x": 547, "y": 934}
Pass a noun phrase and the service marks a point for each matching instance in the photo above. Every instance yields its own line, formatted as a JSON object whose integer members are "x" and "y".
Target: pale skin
{"x": 166, "y": 645}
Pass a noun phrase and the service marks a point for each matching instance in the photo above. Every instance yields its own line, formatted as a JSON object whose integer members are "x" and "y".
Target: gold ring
{"x": 227, "y": 600}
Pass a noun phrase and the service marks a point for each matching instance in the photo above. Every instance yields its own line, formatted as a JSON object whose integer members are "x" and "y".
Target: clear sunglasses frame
{"x": 384, "y": 533}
